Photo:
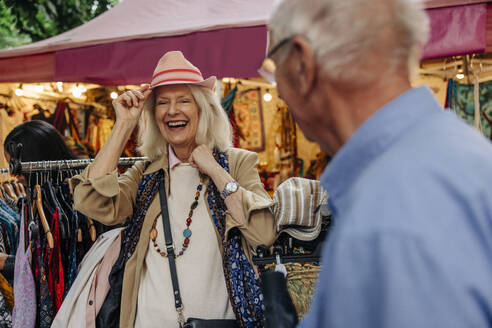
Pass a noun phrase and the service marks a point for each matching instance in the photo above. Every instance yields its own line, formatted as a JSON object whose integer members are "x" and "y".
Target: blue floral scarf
{"x": 242, "y": 284}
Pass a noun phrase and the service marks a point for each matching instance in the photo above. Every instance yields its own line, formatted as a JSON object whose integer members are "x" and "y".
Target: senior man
{"x": 410, "y": 184}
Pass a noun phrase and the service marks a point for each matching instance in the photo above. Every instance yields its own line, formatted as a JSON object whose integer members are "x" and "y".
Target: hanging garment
{"x": 7, "y": 293}
{"x": 5, "y": 317}
{"x": 73, "y": 311}
{"x": 72, "y": 264}
{"x": 12, "y": 203}
{"x": 45, "y": 305}
{"x": 24, "y": 313}
{"x": 3, "y": 249}
{"x": 54, "y": 265}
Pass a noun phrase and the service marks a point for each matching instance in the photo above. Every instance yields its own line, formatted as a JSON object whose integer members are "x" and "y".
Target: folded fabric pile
{"x": 299, "y": 206}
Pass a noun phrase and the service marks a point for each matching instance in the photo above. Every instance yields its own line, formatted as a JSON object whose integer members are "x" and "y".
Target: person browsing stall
{"x": 218, "y": 209}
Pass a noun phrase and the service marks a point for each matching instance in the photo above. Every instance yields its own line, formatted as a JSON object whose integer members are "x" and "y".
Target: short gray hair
{"x": 214, "y": 128}
{"x": 343, "y": 32}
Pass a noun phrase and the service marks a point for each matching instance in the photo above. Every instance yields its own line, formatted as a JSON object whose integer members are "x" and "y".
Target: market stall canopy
{"x": 122, "y": 45}
{"x": 223, "y": 38}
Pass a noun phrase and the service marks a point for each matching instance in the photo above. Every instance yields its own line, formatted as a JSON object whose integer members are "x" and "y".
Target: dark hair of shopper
{"x": 40, "y": 142}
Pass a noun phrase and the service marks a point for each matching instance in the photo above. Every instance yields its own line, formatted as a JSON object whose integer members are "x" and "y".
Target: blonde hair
{"x": 214, "y": 128}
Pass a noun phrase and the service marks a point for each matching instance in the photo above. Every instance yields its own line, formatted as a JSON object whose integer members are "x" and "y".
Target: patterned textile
{"x": 241, "y": 282}
{"x": 5, "y": 317}
{"x": 9, "y": 210}
{"x": 461, "y": 100}
{"x": 249, "y": 119}
{"x": 9, "y": 201}
{"x": 145, "y": 194}
{"x": 301, "y": 281}
{"x": 24, "y": 313}
{"x": 7, "y": 293}
{"x": 2, "y": 244}
{"x": 72, "y": 270}
{"x": 45, "y": 305}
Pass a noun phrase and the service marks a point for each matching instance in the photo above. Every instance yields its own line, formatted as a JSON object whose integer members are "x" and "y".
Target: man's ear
{"x": 302, "y": 65}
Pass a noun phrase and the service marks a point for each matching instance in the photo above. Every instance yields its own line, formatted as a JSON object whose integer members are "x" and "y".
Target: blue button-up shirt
{"x": 411, "y": 244}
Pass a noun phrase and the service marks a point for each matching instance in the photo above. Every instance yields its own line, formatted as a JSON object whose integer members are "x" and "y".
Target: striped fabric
{"x": 296, "y": 209}
{"x": 170, "y": 76}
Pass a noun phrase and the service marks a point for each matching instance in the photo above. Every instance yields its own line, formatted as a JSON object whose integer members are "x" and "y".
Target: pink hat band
{"x": 174, "y": 68}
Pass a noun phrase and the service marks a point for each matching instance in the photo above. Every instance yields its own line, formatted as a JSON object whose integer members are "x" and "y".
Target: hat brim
{"x": 207, "y": 83}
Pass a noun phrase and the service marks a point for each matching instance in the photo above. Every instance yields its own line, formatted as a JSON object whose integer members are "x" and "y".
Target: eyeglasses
{"x": 267, "y": 69}
{"x": 278, "y": 46}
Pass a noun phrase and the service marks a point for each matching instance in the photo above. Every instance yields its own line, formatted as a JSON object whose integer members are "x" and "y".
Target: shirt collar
{"x": 373, "y": 138}
{"x": 173, "y": 159}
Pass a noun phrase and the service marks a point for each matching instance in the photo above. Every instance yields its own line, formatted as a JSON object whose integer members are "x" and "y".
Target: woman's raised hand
{"x": 128, "y": 106}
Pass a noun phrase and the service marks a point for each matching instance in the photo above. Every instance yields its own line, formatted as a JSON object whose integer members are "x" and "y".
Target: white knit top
{"x": 200, "y": 272}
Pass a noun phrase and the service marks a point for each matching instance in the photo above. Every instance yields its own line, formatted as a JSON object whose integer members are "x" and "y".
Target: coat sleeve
{"x": 108, "y": 199}
{"x": 259, "y": 228}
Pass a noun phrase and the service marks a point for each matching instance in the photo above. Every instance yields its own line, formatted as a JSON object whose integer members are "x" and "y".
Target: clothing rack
{"x": 63, "y": 165}
{"x": 286, "y": 259}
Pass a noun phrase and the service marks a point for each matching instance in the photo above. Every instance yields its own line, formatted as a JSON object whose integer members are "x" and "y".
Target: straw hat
{"x": 174, "y": 68}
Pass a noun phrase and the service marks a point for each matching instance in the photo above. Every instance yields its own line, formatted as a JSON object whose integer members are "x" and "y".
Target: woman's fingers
{"x": 134, "y": 99}
{"x": 145, "y": 88}
{"x": 146, "y": 91}
{"x": 139, "y": 95}
{"x": 126, "y": 100}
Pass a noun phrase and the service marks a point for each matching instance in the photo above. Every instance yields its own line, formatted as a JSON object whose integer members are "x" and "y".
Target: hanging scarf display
{"x": 472, "y": 102}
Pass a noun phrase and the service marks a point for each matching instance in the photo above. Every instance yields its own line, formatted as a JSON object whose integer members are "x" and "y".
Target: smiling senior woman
{"x": 218, "y": 209}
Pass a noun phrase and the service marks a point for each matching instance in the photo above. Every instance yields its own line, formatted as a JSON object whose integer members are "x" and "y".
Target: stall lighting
{"x": 267, "y": 96}
{"x": 38, "y": 88}
{"x": 114, "y": 95}
{"x": 59, "y": 85}
{"x": 19, "y": 92}
{"x": 460, "y": 76}
{"x": 77, "y": 91}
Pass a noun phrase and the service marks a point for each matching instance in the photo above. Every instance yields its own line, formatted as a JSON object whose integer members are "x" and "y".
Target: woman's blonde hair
{"x": 214, "y": 128}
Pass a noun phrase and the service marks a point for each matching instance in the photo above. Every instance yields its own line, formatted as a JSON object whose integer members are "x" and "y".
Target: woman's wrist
{"x": 215, "y": 172}
{"x": 125, "y": 125}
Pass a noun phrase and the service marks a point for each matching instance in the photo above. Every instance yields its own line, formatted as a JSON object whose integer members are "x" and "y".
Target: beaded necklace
{"x": 186, "y": 231}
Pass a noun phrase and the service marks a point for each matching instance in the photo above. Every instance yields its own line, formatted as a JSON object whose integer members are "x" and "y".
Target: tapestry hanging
{"x": 249, "y": 119}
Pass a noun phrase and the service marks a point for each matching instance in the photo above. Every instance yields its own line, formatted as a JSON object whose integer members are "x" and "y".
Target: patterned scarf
{"x": 145, "y": 194}
{"x": 242, "y": 284}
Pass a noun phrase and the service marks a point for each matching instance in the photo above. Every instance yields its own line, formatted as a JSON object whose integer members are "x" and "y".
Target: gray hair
{"x": 214, "y": 128}
{"x": 343, "y": 32}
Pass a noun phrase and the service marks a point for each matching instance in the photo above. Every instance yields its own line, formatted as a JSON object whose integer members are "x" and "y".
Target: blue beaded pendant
{"x": 187, "y": 233}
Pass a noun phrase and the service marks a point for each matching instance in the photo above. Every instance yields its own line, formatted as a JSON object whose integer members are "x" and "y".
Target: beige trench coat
{"x": 110, "y": 199}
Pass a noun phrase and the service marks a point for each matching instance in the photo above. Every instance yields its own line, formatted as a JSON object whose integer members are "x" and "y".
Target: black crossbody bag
{"x": 168, "y": 237}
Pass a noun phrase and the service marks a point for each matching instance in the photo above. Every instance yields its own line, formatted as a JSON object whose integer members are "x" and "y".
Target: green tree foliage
{"x": 25, "y": 21}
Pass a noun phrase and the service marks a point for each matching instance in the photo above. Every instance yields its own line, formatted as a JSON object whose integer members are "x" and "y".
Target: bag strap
{"x": 170, "y": 252}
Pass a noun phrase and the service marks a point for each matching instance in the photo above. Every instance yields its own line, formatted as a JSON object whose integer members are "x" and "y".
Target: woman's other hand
{"x": 203, "y": 159}
{"x": 128, "y": 106}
